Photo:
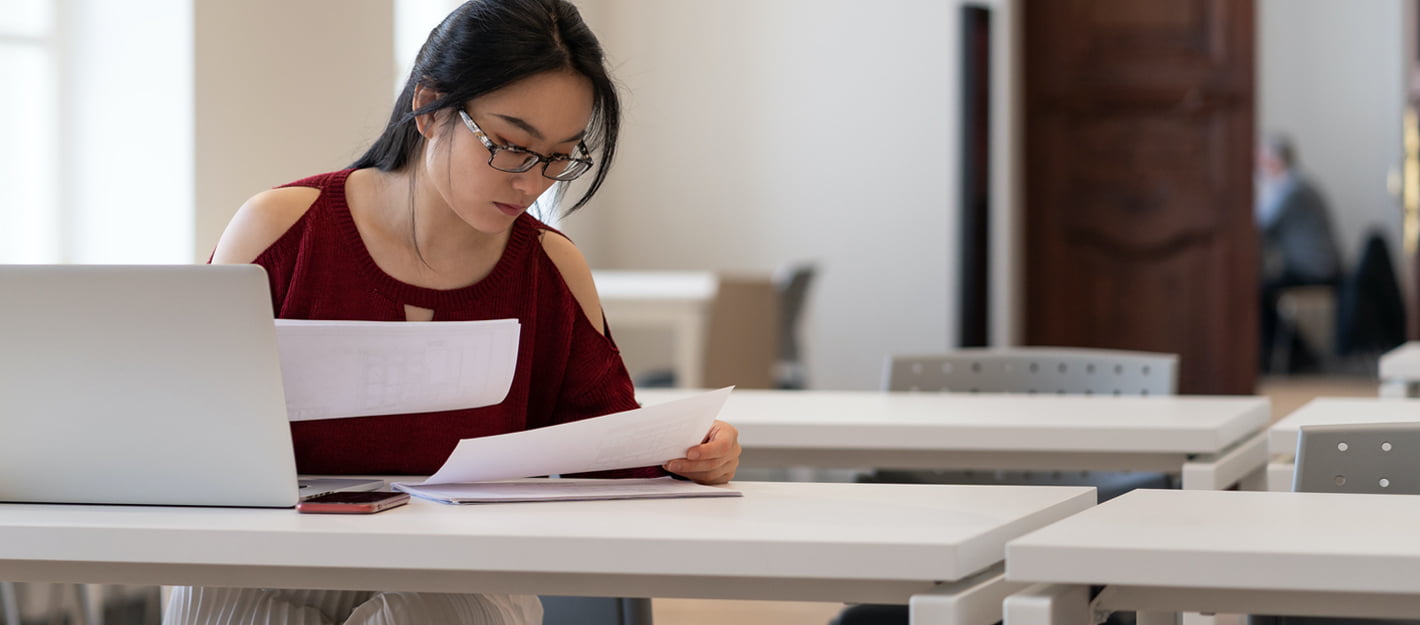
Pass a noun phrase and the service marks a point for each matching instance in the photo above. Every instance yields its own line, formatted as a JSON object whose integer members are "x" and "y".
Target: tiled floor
{"x": 704, "y": 612}
{"x": 1287, "y": 394}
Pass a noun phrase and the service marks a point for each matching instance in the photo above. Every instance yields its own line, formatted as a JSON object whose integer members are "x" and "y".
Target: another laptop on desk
{"x": 144, "y": 385}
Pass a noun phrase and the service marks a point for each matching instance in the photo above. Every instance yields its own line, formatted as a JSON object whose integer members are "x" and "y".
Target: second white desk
{"x": 1400, "y": 371}
{"x": 1164, "y": 552}
{"x": 1213, "y": 442}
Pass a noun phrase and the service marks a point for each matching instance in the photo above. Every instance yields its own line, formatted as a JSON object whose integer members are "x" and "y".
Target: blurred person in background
{"x": 1297, "y": 242}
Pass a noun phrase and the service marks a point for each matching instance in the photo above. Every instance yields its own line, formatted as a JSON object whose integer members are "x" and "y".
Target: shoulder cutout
{"x": 576, "y": 273}
{"x": 261, "y": 221}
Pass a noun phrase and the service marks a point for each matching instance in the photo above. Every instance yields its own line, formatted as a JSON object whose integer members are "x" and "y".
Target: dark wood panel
{"x": 1141, "y": 47}
{"x": 1139, "y": 183}
{"x": 1139, "y": 131}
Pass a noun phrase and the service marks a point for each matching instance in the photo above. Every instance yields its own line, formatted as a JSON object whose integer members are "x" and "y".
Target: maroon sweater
{"x": 320, "y": 269}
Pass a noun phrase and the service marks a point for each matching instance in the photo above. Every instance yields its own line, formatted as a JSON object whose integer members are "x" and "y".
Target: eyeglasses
{"x": 515, "y": 160}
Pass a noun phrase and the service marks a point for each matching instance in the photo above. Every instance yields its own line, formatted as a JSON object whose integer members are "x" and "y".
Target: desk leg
{"x": 975, "y": 600}
{"x": 1117, "y": 598}
{"x": 10, "y": 603}
{"x": 1394, "y": 388}
{"x": 90, "y": 598}
{"x": 1244, "y": 464}
{"x": 1255, "y": 481}
{"x": 1279, "y": 474}
{"x": 690, "y": 336}
{"x": 1049, "y": 604}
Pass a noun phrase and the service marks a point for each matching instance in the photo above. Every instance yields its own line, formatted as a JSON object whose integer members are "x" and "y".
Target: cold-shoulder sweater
{"x": 566, "y": 369}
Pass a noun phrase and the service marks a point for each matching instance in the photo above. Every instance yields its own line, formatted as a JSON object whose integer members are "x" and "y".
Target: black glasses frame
{"x": 577, "y": 166}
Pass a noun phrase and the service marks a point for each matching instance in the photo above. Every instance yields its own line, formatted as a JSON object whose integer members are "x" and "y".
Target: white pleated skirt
{"x": 191, "y": 605}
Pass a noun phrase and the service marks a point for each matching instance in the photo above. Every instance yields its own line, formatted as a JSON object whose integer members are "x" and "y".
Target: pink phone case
{"x": 360, "y": 502}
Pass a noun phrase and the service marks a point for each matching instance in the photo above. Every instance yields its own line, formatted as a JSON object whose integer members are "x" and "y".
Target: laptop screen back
{"x": 141, "y": 385}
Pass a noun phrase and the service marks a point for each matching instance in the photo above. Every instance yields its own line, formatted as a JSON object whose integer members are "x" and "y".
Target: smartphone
{"x": 353, "y": 502}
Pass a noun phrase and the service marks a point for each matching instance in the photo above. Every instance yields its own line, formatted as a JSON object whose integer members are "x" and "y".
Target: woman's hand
{"x": 714, "y": 460}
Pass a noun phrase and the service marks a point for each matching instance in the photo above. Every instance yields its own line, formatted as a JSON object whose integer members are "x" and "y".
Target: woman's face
{"x": 546, "y": 113}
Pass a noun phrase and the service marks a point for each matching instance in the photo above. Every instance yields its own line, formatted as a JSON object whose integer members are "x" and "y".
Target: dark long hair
{"x": 486, "y": 45}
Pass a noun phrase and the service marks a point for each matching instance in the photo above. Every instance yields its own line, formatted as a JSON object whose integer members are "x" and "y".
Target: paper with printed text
{"x": 338, "y": 369}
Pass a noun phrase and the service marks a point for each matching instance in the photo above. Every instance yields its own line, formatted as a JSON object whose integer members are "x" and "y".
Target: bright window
{"x": 29, "y": 206}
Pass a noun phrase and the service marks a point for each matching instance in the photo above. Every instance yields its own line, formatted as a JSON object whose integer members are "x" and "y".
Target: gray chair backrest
{"x": 1377, "y": 458}
{"x": 1056, "y": 370}
{"x": 792, "y": 282}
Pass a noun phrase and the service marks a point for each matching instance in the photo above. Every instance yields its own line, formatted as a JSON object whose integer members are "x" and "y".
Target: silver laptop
{"x": 143, "y": 385}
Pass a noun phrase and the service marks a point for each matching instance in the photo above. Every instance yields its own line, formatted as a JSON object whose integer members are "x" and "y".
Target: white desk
{"x": 675, "y": 300}
{"x": 1282, "y": 436}
{"x": 1163, "y": 552}
{"x": 938, "y": 547}
{"x": 1213, "y": 442}
{"x": 1400, "y": 371}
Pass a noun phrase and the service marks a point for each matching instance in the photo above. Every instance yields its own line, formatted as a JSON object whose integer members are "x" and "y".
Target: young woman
{"x": 507, "y": 99}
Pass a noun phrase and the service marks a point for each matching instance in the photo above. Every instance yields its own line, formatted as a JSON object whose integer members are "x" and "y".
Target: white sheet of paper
{"x": 335, "y": 369}
{"x": 541, "y": 489}
{"x": 634, "y": 438}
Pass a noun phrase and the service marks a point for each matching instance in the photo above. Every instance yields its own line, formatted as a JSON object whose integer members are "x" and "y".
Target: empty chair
{"x": 1060, "y": 370}
{"x": 1306, "y": 316}
{"x": 740, "y": 336}
{"x": 1035, "y": 370}
{"x": 741, "y": 333}
{"x": 1370, "y": 458}
{"x": 1376, "y": 458}
{"x": 792, "y": 285}
{"x": 752, "y": 332}
{"x": 1031, "y": 370}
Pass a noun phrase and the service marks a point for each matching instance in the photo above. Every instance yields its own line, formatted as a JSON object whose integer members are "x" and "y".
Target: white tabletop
{"x": 690, "y": 286}
{"x": 1282, "y": 436}
{"x": 818, "y": 542}
{"x": 1231, "y": 540}
{"x": 986, "y": 422}
{"x": 1402, "y": 362}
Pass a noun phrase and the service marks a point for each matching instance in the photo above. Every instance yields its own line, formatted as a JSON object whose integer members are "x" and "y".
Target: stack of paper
{"x": 543, "y": 489}
{"x": 647, "y": 436}
{"x": 341, "y": 369}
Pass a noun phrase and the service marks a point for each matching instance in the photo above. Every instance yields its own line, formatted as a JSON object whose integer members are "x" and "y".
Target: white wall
{"x": 759, "y": 133}
{"x": 756, "y": 133}
{"x": 283, "y": 90}
{"x": 1330, "y": 74}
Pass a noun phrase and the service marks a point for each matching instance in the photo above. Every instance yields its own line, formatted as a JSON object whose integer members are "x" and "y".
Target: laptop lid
{"x": 141, "y": 385}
